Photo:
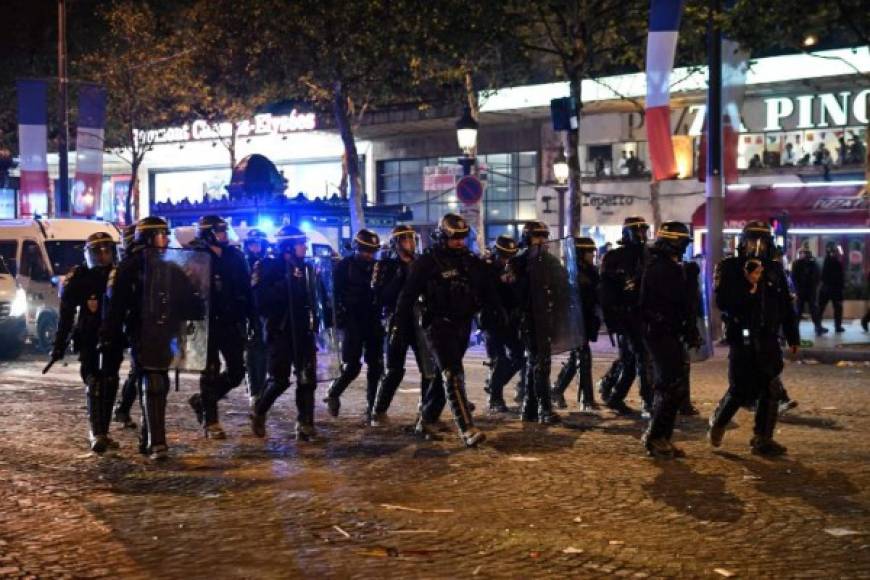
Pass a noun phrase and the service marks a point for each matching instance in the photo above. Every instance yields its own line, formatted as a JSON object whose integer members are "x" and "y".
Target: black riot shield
{"x": 327, "y": 337}
{"x": 174, "y": 324}
{"x": 704, "y": 351}
{"x": 557, "y": 318}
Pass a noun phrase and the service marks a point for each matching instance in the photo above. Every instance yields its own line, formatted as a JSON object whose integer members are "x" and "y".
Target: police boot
{"x": 427, "y": 430}
{"x": 195, "y": 402}
{"x": 765, "y": 423}
{"x": 454, "y": 383}
{"x": 723, "y": 414}
{"x": 687, "y": 409}
{"x": 546, "y": 415}
{"x": 472, "y": 437}
{"x": 305, "y": 431}
{"x": 387, "y": 390}
{"x": 154, "y": 391}
{"x": 258, "y": 424}
{"x": 566, "y": 373}
{"x": 497, "y": 405}
{"x": 657, "y": 447}
{"x": 520, "y": 394}
{"x": 529, "y": 407}
{"x": 124, "y": 419}
{"x": 109, "y": 391}
{"x": 128, "y": 397}
{"x": 98, "y": 440}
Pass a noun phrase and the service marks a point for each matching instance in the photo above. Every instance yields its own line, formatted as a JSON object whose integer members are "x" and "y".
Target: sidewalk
{"x": 852, "y": 345}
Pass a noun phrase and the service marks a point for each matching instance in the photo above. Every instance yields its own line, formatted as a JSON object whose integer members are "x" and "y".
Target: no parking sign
{"x": 469, "y": 190}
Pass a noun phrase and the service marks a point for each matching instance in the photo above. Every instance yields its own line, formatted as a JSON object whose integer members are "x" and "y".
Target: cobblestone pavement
{"x": 580, "y": 500}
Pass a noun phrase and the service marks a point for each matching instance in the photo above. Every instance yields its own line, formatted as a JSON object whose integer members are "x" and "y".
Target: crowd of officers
{"x": 263, "y": 315}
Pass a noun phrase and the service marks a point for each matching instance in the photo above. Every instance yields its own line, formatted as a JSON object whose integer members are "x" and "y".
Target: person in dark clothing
{"x": 454, "y": 285}
{"x": 580, "y": 360}
{"x": 232, "y": 307}
{"x": 130, "y": 387}
{"x": 865, "y": 320}
{"x": 358, "y": 316}
{"x": 285, "y": 292}
{"x": 752, "y": 293}
{"x": 256, "y": 246}
{"x": 619, "y": 292}
{"x": 388, "y": 279}
{"x": 81, "y": 302}
{"x": 805, "y": 276}
{"x": 669, "y": 310}
{"x": 833, "y": 283}
{"x": 504, "y": 348}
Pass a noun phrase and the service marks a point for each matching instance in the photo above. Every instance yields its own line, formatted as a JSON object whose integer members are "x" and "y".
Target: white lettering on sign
{"x": 777, "y": 109}
{"x": 200, "y": 130}
{"x": 838, "y": 110}
{"x": 842, "y": 203}
{"x": 831, "y": 109}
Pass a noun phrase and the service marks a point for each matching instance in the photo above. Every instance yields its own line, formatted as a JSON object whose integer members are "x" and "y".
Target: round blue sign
{"x": 469, "y": 190}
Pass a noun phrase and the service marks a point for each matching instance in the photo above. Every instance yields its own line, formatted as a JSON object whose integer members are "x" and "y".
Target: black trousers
{"x": 812, "y": 307}
{"x": 579, "y": 363}
{"x": 99, "y": 372}
{"x": 363, "y": 339}
{"x": 836, "y": 300}
{"x": 129, "y": 390}
{"x": 225, "y": 340}
{"x": 257, "y": 362}
{"x": 506, "y": 357}
{"x": 753, "y": 371}
{"x": 536, "y": 401}
{"x": 670, "y": 369}
{"x": 282, "y": 359}
{"x": 633, "y": 364}
{"x": 398, "y": 344}
{"x": 449, "y": 341}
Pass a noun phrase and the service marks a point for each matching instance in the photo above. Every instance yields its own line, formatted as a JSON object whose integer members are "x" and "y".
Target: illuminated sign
{"x": 265, "y": 124}
{"x": 832, "y": 110}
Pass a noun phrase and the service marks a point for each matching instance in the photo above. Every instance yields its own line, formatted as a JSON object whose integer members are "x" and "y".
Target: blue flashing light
{"x": 306, "y": 226}
{"x": 266, "y": 224}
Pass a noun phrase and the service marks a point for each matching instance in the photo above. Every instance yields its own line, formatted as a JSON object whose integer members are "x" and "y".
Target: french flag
{"x": 661, "y": 45}
{"x": 89, "y": 150}
{"x": 32, "y": 147}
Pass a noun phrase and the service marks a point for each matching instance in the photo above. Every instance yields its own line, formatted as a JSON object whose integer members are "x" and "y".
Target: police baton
{"x": 50, "y": 364}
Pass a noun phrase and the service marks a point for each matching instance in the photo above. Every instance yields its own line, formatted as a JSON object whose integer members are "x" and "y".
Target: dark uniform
{"x": 256, "y": 246}
{"x": 805, "y": 276}
{"x": 669, "y": 309}
{"x": 285, "y": 297}
{"x": 580, "y": 360}
{"x": 833, "y": 283}
{"x": 388, "y": 279}
{"x": 81, "y": 304}
{"x": 620, "y": 290}
{"x": 232, "y": 306}
{"x": 131, "y": 384}
{"x": 504, "y": 347}
{"x": 358, "y": 317}
{"x": 454, "y": 285}
{"x": 753, "y": 321}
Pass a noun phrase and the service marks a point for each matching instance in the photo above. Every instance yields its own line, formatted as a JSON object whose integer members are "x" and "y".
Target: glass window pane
{"x": 527, "y": 210}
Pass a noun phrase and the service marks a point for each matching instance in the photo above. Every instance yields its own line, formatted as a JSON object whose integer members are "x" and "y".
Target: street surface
{"x": 580, "y": 500}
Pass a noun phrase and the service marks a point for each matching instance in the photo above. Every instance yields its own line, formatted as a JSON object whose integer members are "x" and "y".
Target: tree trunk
{"x": 231, "y": 147}
{"x": 575, "y": 195}
{"x": 131, "y": 190}
{"x": 342, "y": 120}
{"x": 655, "y": 204}
{"x": 474, "y": 106}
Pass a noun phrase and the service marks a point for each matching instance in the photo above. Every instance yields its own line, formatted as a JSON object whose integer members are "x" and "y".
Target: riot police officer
{"x": 580, "y": 360}
{"x": 669, "y": 309}
{"x": 81, "y": 302}
{"x": 358, "y": 316}
{"x": 150, "y": 340}
{"x": 390, "y": 275}
{"x": 454, "y": 285}
{"x": 256, "y": 246}
{"x": 131, "y": 384}
{"x": 620, "y": 289}
{"x": 284, "y": 289}
{"x": 753, "y": 295}
{"x": 504, "y": 347}
{"x": 231, "y": 309}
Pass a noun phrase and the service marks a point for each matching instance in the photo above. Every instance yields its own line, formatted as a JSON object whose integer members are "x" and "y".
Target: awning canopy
{"x": 807, "y": 206}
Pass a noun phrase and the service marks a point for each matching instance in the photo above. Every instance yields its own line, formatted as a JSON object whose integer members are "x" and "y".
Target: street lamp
{"x": 466, "y": 135}
{"x": 560, "y": 168}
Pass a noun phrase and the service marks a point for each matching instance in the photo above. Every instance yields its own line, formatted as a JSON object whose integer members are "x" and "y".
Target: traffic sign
{"x": 469, "y": 190}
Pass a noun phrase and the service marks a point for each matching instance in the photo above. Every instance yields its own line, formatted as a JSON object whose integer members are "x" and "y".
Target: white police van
{"x": 38, "y": 253}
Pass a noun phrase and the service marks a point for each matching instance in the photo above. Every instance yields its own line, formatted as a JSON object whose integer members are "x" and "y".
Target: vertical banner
{"x": 661, "y": 45}
{"x": 735, "y": 63}
{"x": 32, "y": 147}
{"x": 88, "y": 183}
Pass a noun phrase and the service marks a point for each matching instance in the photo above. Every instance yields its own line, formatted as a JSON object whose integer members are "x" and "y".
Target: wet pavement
{"x": 579, "y": 500}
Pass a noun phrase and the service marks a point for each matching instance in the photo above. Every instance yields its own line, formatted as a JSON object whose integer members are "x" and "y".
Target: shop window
{"x": 601, "y": 159}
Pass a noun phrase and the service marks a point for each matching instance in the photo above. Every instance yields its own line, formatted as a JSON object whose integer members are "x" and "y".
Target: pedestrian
{"x": 833, "y": 284}
{"x": 865, "y": 320}
{"x": 232, "y": 308}
{"x": 286, "y": 289}
{"x": 256, "y": 247}
{"x": 580, "y": 360}
{"x": 789, "y": 156}
{"x": 81, "y": 302}
{"x": 752, "y": 293}
{"x": 669, "y": 310}
{"x": 130, "y": 388}
{"x": 454, "y": 286}
{"x": 805, "y": 276}
{"x": 504, "y": 348}
{"x": 619, "y": 293}
{"x": 389, "y": 277}
{"x": 357, "y": 315}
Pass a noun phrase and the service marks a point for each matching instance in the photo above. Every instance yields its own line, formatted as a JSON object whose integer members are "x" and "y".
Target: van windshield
{"x": 65, "y": 254}
{"x": 8, "y": 249}
{"x": 3, "y": 268}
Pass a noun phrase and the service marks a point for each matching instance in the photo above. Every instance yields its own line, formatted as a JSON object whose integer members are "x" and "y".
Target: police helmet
{"x": 673, "y": 237}
{"x": 366, "y": 241}
{"x": 100, "y": 250}
{"x": 756, "y": 240}
{"x": 400, "y": 232}
{"x": 288, "y": 237}
{"x": 635, "y": 230}
{"x": 533, "y": 229}
{"x": 255, "y": 236}
{"x": 505, "y": 247}
{"x": 208, "y": 226}
{"x": 149, "y": 227}
{"x": 584, "y": 245}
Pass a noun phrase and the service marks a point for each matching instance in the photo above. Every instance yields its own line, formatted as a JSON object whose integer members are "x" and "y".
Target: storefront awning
{"x": 807, "y": 205}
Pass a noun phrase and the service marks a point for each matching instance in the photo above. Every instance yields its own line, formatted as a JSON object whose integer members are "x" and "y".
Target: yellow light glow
{"x": 683, "y": 155}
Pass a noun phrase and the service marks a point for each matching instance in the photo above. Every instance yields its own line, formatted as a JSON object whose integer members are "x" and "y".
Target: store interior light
{"x": 266, "y": 224}
{"x": 306, "y": 226}
{"x": 739, "y": 187}
{"x": 811, "y": 40}
{"x": 830, "y": 231}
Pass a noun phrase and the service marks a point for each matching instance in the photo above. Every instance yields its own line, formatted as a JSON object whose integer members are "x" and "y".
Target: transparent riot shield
{"x": 327, "y": 336}
{"x": 557, "y": 318}
{"x": 704, "y": 351}
{"x": 174, "y": 322}
{"x": 429, "y": 367}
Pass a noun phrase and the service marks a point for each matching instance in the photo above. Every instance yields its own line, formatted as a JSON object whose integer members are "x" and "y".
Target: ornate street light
{"x": 560, "y": 168}
{"x": 466, "y": 132}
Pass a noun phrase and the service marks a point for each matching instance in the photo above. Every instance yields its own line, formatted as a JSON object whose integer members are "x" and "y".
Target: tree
{"x": 143, "y": 65}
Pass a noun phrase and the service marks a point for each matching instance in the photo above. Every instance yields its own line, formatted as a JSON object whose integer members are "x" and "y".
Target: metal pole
{"x": 63, "y": 134}
{"x": 715, "y": 207}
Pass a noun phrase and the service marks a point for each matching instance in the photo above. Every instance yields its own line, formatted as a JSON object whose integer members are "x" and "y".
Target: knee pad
{"x": 155, "y": 384}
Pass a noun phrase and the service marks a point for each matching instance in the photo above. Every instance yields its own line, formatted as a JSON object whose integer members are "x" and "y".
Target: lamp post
{"x": 561, "y": 173}
{"x": 466, "y": 135}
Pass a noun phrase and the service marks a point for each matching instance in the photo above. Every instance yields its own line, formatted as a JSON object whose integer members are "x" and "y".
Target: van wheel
{"x": 46, "y": 328}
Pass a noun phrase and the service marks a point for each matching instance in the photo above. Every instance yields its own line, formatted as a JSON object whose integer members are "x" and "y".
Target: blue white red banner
{"x": 32, "y": 147}
{"x": 88, "y": 182}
